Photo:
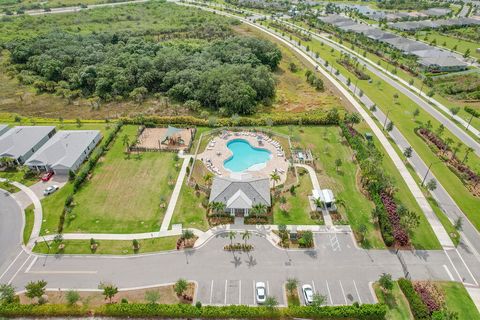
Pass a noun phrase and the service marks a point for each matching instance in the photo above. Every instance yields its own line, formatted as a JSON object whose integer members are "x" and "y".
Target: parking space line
{"x": 358, "y": 294}
{"x": 211, "y": 292}
{"x": 226, "y": 288}
{"x": 329, "y": 293}
{"x": 313, "y": 285}
{"x": 239, "y": 292}
{"x": 448, "y": 272}
{"x": 268, "y": 289}
{"x": 343, "y": 292}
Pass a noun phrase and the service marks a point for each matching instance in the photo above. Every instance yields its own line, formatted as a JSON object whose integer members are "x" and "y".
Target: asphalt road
{"x": 11, "y": 223}
{"x": 336, "y": 267}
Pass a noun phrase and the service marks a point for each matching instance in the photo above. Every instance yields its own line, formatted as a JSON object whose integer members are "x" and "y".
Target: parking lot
{"x": 242, "y": 292}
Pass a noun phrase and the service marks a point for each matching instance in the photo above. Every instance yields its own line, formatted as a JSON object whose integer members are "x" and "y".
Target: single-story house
{"x": 240, "y": 196}
{"x": 442, "y": 64}
{"x": 3, "y": 128}
{"x": 21, "y": 142}
{"x": 65, "y": 152}
{"x": 326, "y": 196}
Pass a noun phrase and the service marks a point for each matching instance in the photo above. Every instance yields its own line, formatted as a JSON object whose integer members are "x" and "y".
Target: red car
{"x": 47, "y": 176}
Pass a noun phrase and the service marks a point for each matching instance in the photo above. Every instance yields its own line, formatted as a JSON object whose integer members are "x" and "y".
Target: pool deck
{"x": 217, "y": 152}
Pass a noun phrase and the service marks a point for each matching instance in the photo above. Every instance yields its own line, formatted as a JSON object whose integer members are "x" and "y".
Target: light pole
{"x": 428, "y": 170}
{"x": 386, "y": 117}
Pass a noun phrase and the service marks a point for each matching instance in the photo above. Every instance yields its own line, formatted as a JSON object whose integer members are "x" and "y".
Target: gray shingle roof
{"x": 233, "y": 192}
{"x": 64, "y": 148}
{"x": 17, "y": 141}
{"x": 3, "y": 128}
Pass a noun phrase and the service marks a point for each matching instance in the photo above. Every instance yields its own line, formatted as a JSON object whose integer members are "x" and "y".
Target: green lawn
{"x": 189, "y": 211}
{"x": 123, "y": 195}
{"x": 397, "y": 304}
{"x": 29, "y": 218}
{"x": 458, "y": 300}
{"x": 298, "y": 205}
{"x": 110, "y": 246}
{"x": 326, "y": 145}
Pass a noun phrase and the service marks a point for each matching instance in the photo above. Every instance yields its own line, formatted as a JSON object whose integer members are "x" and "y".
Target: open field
{"x": 13, "y": 5}
{"x": 297, "y": 205}
{"x": 189, "y": 210}
{"x": 124, "y": 195}
{"x": 117, "y": 247}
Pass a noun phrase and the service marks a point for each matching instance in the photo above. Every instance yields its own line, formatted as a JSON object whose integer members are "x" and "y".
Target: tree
{"x": 275, "y": 177}
{"x": 408, "y": 152}
{"x": 291, "y": 285}
{"x": 389, "y": 126}
{"x": 245, "y": 236}
{"x": 440, "y": 130}
{"x": 187, "y": 234}
{"x": 307, "y": 239}
{"x": 416, "y": 113}
{"x": 259, "y": 209}
{"x": 271, "y": 303}
{"x": 467, "y": 53}
{"x": 152, "y": 296}
{"x": 293, "y": 67}
{"x": 454, "y": 111}
{"x": 72, "y": 297}
{"x": 35, "y": 289}
{"x": 431, "y": 184}
{"x": 467, "y": 152}
{"x": 180, "y": 286}
{"x": 458, "y": 223}
{"x": 386, "y": 282}
{"x": 408, "y": 219}
{"x": 7, "y": 293}
{"x": 318, "y": 300}
{"x": 232, "y": 235}
{"x": 138, "y": 94}
{"x": 208, "y": 178}
{"x": 338, "y": 163}
{"x": 318, "y": 203}
{"x": 109, "y": 291}
{"x": 456, "y": 148}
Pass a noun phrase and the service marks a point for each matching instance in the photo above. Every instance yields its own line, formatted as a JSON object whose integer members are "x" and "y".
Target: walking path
{"x": 176, "y": 192}
{"x": 316, "y": 185}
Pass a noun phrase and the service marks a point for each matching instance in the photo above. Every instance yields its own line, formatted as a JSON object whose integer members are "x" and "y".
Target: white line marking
{"x": 226, "y": 288}
{"x": 268, "y": 289}
{"x": 329, "y": 293}
{"x": 448, "y": 272}
{"x": 21, "y": 267}
{"x": 343, "y": 292}
{"x": 468, "y": 269}
{"x": 254, "y": 294}
{"x": 31, "y": 264}
{"x": 63, "y": 272}
{"x": 211, "y": 292}
{"x": 239, "y": 292}
{"x": 358, "y": 294}
{"x": 454, "y": 268}
{"x": 313, "y": 285}
{"x": 11, "y": 264}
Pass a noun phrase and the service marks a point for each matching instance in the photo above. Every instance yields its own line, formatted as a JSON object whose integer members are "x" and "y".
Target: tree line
{"x": 232, "y": 75}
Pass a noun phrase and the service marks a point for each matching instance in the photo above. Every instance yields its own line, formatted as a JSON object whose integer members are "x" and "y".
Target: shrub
{"x": 418, "y": 308}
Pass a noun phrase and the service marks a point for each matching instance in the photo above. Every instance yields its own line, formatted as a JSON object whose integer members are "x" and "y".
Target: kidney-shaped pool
{"x": 245, "y": 156}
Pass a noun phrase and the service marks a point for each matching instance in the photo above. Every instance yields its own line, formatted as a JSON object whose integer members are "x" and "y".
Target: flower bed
{"x": 399, "y": 233}
{"x": 238, "y": 247}
{"x": 430, "y": 294}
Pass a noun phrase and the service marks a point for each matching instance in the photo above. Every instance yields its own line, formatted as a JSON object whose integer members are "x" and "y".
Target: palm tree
{"x": 448, "y": 142}
{"x": 318, "y": 203}
{"x": 457, "y": 148}
{"x": 208, "y": 178}
{"x": 275, "y": 177}
{"x": 245, "y": 236}
{"x": 340, "y": 203}
{"x": 217, "y": 207}
{"x": 232, "y": 235}
{"x": 259, "y": 209}
{"x": 467, "y": 152}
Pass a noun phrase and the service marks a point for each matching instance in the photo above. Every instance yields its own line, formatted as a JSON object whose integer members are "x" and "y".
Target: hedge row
{"x": 83, "y": 173}
{"x": 418, "y": 308}
{"x": 472, "y": 111}
{"x": 361, "y": 312}
{"x": 331, "y": 117}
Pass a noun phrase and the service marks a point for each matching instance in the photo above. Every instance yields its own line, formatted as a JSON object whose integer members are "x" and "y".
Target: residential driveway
{"x": 38, "y": 189}
{"x": 11, "y": 223}
{"x": 335, "y": 268}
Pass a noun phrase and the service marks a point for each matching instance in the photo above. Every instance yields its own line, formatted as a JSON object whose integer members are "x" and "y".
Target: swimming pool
{"x": 245, "y": 156}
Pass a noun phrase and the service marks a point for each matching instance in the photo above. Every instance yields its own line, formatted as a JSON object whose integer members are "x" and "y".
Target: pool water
{"x": 245, "y": 156}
